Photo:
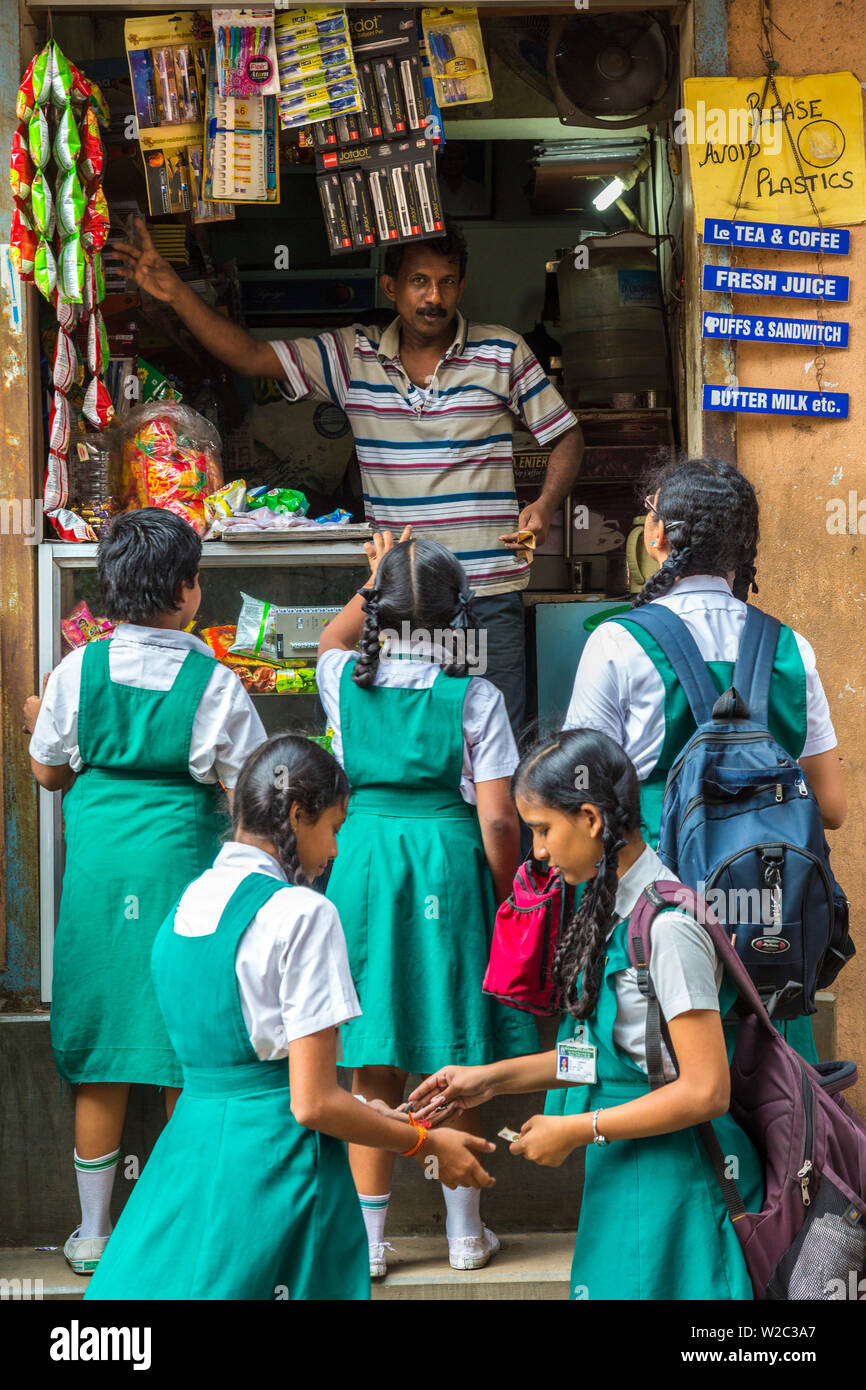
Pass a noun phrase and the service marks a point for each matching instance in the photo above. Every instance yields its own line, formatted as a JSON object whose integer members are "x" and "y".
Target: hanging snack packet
{"x": 42, "y": 203}
{"x": 55, "y": 490}
{"x": 95, "y": 224}
{"x": 59, "y": 424}
{"x": 26, "y": 99}
{"x": 70, "y": 271}
{"x": 97, "y": 101}
{"x": 65, "y": 362}
{"x": 45, "y": 269}
{"x": 92, "y": 158}
{"x": 38, "y": 138}
{"x": 43, "y": 75}
{"x": 21, "y": 170}
{"x": 97, "y": 409}
{"x": 67, "y": 141}
{"x": 22, "y": 245}
{"x": 61, "y": 79}
{"x": 98, "y": 351}
{"x": 70, "y": 204}
{"x": 67, "y": 313}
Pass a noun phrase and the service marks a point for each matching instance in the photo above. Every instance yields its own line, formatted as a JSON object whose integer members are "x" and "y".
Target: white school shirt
{"x": 618, "y": 690}
{"x": 489, "y": 750}
{"x": 226, "y": 728}
{"x": 291, "y": 963}
{"x": 683, "y": 965}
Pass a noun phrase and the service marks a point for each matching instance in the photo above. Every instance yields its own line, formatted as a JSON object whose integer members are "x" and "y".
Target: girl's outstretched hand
{"x": 545, "y": 1139}
{"x": 378, "y": 548}
{"x": 456, "y": 1164}
{"x": 449, "y": 1092}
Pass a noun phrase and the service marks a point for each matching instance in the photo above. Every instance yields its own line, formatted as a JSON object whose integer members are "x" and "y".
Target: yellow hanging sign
{"x": 723, "y": 122}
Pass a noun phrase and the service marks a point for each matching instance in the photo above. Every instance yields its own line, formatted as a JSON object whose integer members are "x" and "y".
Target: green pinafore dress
{"x": 138, "y": 827}
{"x": 413, "y": 888}
{"x": 237, "y": 1200}
{"x": 787, "y": 723}
{"x": 652, "y": 1220}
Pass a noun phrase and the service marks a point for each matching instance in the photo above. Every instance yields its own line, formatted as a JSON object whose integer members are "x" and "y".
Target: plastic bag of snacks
{"x": 277, "y": 499}
{"x": 80, "y": 627}
{"x": 170, "y": 458}
{"x": 21, "y": 167}
{"x": 226, "y": 501}
{"x": 68, "y": 525}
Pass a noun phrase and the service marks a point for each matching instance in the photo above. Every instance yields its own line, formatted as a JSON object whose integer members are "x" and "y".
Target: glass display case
{"x": 314, "y": 572}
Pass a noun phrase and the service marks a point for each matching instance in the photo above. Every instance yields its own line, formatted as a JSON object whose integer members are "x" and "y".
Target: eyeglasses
{"x": 651, "y": 507}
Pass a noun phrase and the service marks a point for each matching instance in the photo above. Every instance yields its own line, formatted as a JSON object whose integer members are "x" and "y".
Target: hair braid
{"x": 285, "y": 840}
{"x": 367, "y": 663}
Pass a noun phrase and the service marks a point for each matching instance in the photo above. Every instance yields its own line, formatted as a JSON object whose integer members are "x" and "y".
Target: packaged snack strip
{"x": 98, "y": 102}
{"x": 97, "y": 409}
{"x": 45, "y": 269}
{"x": 98, "y": 516}
{"x": 70, "y": 527}
{"x": 65, "y": 370}
{"x": 26, "y": 99}
{"x": 219, "y": 639}
{"x": 98, "y": 276}
{"x": 41, "y": 203}
{"x": 80, "y": 627}
{"x": 70, "y": 204}
{"x": 61, "y": 80}
{"x": 59, "y": 424}
{"x": 21, "y": 167}
{"x": 92, "y": 158}
{"x": 256, "y": 630}
{"x": 98, "y": 351}
{"x": 43, "y": 75}
{"x": 55, "y": 488}
{"x": 67, "y": 314}
{"x": 22, "y": 245}
{"x": 67, "y": 141}
{"x": 337, "y": 518}
{"x": 70, "y": 270}
{"x": 95, "y": 225}
{"x": 82, "y": 88}
{"x": 226, "y": 501}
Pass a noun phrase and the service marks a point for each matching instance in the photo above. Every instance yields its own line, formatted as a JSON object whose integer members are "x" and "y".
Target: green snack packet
{"x": 70, "y": 279}
{"x": 155, "y": 386}
{"x": 285, "y": 500}
{"x": 38, "y": 138}
{"x": 42, "y": 204}
{"x": 43, "y": 75}
{"x": 45, "y": 269}
{"x": 70, "y": 204}
{"x": 67, "y": 141}
{"x": 61, "y": 80}
{"x": 99, "y": 274}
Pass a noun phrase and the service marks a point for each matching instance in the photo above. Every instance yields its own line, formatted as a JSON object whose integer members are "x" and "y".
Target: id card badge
{"x": 576, "y": 1061}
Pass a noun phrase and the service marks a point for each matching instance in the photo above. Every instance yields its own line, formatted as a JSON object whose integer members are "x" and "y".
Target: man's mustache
{"x": 432, "y": 313}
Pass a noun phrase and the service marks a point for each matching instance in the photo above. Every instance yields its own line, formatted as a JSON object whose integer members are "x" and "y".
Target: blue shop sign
{"x": 766, "y": 328}
{"x": 787, "y": 284}
{"x": 777, "y": 236}
{"x": 765, "y": 400}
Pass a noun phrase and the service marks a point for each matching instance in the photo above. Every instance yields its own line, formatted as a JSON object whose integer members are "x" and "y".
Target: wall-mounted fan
{"x": 612, "y": 70}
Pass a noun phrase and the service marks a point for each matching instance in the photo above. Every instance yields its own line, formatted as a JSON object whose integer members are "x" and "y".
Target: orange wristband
{"x": 422, "y": 1135}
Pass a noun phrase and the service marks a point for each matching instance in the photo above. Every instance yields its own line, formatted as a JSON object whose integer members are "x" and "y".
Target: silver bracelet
{"x": 597, "y": 1138}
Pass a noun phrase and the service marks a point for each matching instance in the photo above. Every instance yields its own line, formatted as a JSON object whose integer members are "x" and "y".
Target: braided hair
{"x": 419, "y": 584}
{"x": 547, "y": 775}
{"x": 285, "y": 770}
{"x": 710, "y": 513}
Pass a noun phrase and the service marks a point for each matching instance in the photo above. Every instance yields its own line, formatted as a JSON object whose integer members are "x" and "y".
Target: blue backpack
{"x": 741, "y": 825}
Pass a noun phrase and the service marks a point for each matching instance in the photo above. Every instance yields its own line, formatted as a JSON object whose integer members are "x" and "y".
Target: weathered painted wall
{"x": 814, "y": 580}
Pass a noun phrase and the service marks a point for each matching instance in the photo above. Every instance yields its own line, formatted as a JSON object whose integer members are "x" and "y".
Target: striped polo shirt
{"x": 441, "y": 460}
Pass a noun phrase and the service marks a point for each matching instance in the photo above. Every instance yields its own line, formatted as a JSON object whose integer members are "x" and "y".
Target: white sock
{"x": 95, "y": 1182}
{"x": 374, "y": 1211}
{"x": 462, "y": 1212}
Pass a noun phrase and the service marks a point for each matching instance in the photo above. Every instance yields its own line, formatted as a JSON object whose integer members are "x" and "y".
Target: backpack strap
{"x": 681, "y": 650}
{"x": 754, "y": 667}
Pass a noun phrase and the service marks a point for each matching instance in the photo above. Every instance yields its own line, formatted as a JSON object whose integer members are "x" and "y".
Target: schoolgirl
{"x": 702, "y": 523}
{"x": 248, "y": 1193}
{"x": 652, "y": 1222}
{"x": 138, "y": 732}
{"x": 430, "y": 846}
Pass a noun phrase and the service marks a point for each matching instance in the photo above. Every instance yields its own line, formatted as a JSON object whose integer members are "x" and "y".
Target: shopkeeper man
{"x": 431, "y": 400}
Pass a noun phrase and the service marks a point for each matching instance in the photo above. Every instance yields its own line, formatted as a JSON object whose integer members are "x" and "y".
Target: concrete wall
{"x": 809, "y": 578}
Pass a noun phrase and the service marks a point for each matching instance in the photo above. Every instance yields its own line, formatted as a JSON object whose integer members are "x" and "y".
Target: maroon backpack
{"x": 524, "y": 941}
{"x": 808, "y": 1241}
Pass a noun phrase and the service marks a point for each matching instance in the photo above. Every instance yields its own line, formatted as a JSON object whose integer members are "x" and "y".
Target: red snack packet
{"x": 59, "y": 424}
{"x": 81, "y": 88}
{"x": 97, "y": 408}
{"x": 95, "y": 226}
{"x": 56, "y": 486}
{"x": 92, "y": 158}
{"x": 22, "y": 245}
{"x": 70, "y": 527}
{"x": 21, "y": 170}
{"x": 65, "y": 362}
{"x": 26, "y": 96}
{"x": 219, "y": 639}
{"x": 80, "y": 627}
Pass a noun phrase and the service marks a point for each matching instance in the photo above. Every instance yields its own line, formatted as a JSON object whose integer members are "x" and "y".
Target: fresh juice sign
{"x": 730, "y": 133}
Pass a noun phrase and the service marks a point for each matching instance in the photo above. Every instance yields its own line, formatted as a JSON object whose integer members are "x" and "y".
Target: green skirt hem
{"x": 97, "y": 1068}
{"x": 388, "y": 1052}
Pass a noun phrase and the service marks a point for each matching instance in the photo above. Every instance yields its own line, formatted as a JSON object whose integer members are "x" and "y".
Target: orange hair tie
{"x": 422, "y": 1135}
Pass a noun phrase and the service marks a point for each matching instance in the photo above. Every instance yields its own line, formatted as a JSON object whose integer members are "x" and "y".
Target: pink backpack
{"x": 524, "y": 941}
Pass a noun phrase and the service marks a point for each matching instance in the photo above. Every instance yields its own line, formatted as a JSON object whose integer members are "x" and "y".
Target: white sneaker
{"x": 83, "y": 1255}
{"x": 378, "y": 1262}
{"x": 473, "y": 1252}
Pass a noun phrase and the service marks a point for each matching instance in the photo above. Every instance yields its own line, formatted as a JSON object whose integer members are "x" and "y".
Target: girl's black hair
{"x": 710, "y": 513}
{"x": 285, "y": 769}
{"x": 422, "y": 584}
{"x": 566, "y": 772}
{"x": 141, "y": 562}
